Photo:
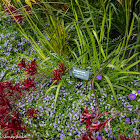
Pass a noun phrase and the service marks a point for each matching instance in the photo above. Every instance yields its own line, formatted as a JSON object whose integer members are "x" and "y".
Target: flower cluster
{"x": 22, "y": 64}
{"x": 32, "y": 113}
{"x": 97, "y": 126}
{"x": 8, "y": 95}
{"x": 28, "y": 83}
{"x": 9, "y": 119}
{"x": 8, "y": 8}
{"x": 94, "y": 126}
{"x": 30, "y": 68}
{"x": 59, "y": 72}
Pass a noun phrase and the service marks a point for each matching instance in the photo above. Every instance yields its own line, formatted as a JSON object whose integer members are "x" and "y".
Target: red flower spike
{"x": 64, "y": 6}
{"x": 18, "y": 89}
{"x": 28, "y": 8}
{"x": 10, "y": 90}
{"x": 22, "y": 63}
{"x": 12, "y": 9}
{"x": 9, "y": 123}
{"x": 5, "y": 102}
{"x": 87, "y": 117}
{"x": 28, "y": 83}
{"x": 98, "y": 127}
{"x": 59, "y": 72}
{"x": 3, "y": 111}
{"x": 94, "y": 127}
{"x": 2, "y": 123}
{"x": 9, "y": 7}
{"x": 86, "y": 138}
{"x": 62, "y": 68}
{"x": 1, "y": 87}
{"x": 57, "y": 76}
{"x": 121, "y": 137}
{"x": 31, "y": 68}
{"x": 31, "y": 113}
{"x": 18, "y": 18}
{"x": 14, "y": 125}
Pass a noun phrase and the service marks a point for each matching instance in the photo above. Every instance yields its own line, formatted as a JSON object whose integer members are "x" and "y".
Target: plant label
{"x": 78, "y": 73}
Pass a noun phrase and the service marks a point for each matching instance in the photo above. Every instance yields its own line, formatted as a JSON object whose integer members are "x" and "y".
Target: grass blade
{"x": 57, "y": 91}
{"x": 112, "y": 89}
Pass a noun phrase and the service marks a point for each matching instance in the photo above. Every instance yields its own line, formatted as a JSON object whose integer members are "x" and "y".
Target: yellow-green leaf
{"x": 57, "y": 91}
{"x": 28, "y": 2}
{"x": 112, "y": 89}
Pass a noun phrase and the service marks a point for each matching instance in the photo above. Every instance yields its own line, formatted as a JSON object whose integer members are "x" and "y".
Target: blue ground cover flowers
{"x": 37, "y": 57}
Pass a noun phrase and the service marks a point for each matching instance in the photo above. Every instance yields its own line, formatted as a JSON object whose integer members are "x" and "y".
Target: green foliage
{"x": 85, "y": 34}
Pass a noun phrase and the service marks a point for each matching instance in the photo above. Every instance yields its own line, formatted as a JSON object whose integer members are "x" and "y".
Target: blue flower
{"x": 138, "y": 91}
{"x": 62, "y": 136}
{"x": 99, "y": 138}
{"x": 132, "y": 96}
{"x": 99, "y": 77}
{"x": 127, "y": 120}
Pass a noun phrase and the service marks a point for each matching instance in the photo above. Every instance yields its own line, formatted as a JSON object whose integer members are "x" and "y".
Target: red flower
{"x": 9, "y": 123}
{"x": 59, "y": 72}
{"x": 85, "y": 137}
{"x": 5, "y": 102}
{"x": 14, "y": 125}
{"x": 87, "y": 117}
{"x": 57, "y": 76}
{"x": 31, "y": 113}
{"x": 31, "y": 68}
{"x": 28, "y": 83}
{"x": 97, "y": 127}
{"x": 2, "y": 123}
{"x": 3, "y": 111}
{"x": 1, "y": 87}
{"x": 62, "y": 68}
{"x": 22, "y": 63}
{"x": 28, "y": 8}
{"x": 12, "y": 90}
{"x": 18, "y": 18}
{"x": 9, "y": 8}
{"x": 64, "y": 6}
{"x": 124, "y": 137}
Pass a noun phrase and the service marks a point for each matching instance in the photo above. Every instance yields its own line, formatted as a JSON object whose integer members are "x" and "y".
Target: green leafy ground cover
{"x": 74, "y": 94}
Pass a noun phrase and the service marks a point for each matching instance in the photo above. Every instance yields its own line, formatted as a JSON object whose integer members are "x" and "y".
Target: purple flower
{"x": 138, "y": 91}
{"x": 127, "y": 120}
{"x": 132, "y": 96}
{"x": 99, "y": 77}
{"x": 99, "y": 138}
{"x": 112, "y": 136}
{"x": 62, "y": 136}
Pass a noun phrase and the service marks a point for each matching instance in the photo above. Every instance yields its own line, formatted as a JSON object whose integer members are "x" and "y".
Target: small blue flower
{"x": 99, "y": 77}
{"x": 138, "y": 91}
{"x": 127, "y": 120}
{"x": 99, "y": 138}
{"x": 132, "y": 96}
{"x": 62, "y": 136}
